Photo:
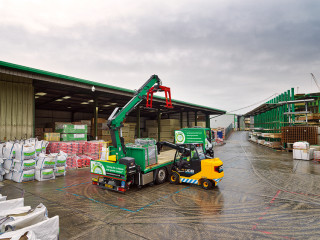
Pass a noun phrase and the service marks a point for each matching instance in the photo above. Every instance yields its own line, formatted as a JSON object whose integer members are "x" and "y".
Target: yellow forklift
{"x": 191, "y": 165}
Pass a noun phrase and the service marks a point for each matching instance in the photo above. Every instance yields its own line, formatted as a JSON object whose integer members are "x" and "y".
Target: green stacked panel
{"x": 73, "y": 137}
{"x": 70, "y": 128}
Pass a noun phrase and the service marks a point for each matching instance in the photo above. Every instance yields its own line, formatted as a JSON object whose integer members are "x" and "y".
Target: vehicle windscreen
{"x": 201, "y": 153}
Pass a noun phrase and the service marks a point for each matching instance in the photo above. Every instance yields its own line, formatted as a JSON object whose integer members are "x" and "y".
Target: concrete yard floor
{"x": 265, "y": 194}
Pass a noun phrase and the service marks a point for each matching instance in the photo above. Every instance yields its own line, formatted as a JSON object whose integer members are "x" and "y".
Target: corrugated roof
{"x": 91, "y": 83}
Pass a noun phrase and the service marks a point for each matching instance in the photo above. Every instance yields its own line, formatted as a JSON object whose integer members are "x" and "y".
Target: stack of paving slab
{"x": 22, "y": 222}
{"x": 302, "y": 151}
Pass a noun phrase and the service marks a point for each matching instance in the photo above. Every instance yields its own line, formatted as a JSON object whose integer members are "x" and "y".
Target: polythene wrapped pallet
{"x": 71, "y": 128}
{"x": 73, "y": 137}
{"x": 51, "y": 137}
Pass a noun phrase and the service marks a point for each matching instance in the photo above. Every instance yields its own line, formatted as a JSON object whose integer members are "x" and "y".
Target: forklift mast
{"x": 115, "y": 121}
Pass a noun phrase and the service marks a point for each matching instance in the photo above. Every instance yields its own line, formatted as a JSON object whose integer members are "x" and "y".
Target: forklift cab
{"x": 189, "y": 162}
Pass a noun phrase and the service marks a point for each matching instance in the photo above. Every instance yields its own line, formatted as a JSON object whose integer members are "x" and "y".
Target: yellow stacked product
{"x": 51, "y": 137}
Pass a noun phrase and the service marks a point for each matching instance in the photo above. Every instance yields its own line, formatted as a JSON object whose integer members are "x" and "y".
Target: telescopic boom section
{"x": 115, "y": 121}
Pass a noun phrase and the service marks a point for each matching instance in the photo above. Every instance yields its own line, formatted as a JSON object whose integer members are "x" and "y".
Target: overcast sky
{"x": 220, "y": 53}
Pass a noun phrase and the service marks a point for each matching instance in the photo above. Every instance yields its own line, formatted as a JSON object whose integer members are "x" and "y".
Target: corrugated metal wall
{"x": 16, "y": 109}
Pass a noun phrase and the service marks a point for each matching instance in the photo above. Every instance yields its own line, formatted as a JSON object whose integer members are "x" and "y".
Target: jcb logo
{"x": 189, "y": 171}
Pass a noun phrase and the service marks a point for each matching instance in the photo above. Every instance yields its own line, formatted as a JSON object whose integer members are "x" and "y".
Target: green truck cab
{"x": 140, "y": 166}
{"x": 196, "y": 135}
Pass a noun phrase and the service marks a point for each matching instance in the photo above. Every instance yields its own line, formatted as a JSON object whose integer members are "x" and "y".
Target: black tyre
{"x": 161, "y": 175}
{"x": 206, "y": 184}
{"x": 174, "y": 178}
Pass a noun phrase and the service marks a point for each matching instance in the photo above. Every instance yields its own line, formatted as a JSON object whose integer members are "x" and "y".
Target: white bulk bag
{"x": 44, "y": 145}
{"x": 46, "y": 161}
{"x": 44, "y": 174}
{"x": 23, "y": 176}
{"x": 14, "y": 211}
{"x": 25, "y": 152}
{"x": 3, "y": 198}
{"x": 60, "y": 171}
{"x": 15, "y": 223}
{"x": 24, "y": 165}
{"x": 8, "y": 150}
{"x": 45, "y": 230}
{"x": 8, "y": 174}
{"x": 8, "y": 164}
{"x": 11, "y": 204}
{"x": 38, "y": 147}
{"x": 61, "y": 159}
{"x": 1, "y": 150}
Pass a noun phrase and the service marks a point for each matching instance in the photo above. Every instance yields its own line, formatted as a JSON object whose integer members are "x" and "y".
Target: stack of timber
{"x": 300, "y": 133}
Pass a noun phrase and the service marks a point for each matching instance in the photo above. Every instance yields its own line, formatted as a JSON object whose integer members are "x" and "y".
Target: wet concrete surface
{"x": 265, "y": 194}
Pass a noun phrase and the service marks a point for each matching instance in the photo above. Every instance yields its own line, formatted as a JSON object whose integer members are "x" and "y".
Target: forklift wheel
{"x": 206, "y": 184}
{"x": 174, "y": 178}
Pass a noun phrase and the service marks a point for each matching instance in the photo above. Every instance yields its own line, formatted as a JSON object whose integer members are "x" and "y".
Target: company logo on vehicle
{"x": 180, "y": 137}
{"x": 97, "y": 168}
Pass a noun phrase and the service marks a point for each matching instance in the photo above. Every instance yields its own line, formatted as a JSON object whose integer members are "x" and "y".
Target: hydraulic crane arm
{"x": 115, "y": 121}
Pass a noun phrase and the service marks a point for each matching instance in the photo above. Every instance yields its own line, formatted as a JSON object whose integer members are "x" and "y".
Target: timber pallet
{"x": 273, "y": 148}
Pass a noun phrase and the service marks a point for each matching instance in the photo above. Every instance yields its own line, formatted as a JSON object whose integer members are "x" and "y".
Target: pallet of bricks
{"x": 79, "y": 152}
{"x": 290, "y": 135}
{"x": 167, "y": 128}
{"x": 26, "y": 160}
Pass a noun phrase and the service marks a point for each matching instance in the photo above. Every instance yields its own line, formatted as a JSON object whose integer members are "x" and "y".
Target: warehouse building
{"x": 33, "y": 98}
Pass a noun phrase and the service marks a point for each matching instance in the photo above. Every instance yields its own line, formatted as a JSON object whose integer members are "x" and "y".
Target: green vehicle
{"x": 132, "y": 164}
{"x": 196, "y": 135}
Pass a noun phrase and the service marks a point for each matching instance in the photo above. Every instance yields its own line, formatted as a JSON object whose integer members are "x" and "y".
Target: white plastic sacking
{"x": 38, "y": 147}
{"x": 1, "y": 150}
{"x": 23, "y": 176}
{"x": 24, "y": 165}
{"x": 8, "y": 150}
{"x": 2, "y": 171}
{"x": 44, "y": 146}
{"x": 61, "y": 159}
{"x": 301, "y": 145}
{"x": 60, "y": 171}
{"x": 25, "y": 152}
{"x": 36, "y": 215}
{"x": 8, "y": 164}
{"x": 47, "y": 229}
{"x": 46, "y": 161}
{"x": 44, "y": 174}
{"x": 8, "y": 174}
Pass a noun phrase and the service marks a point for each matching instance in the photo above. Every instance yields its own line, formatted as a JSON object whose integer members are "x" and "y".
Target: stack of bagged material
{"x": 302, "y": 150}
{"x": 8, "y": 152}
{"x": 2, "y": 172}
{"x": 24, "y": 163}
{"x": 61, "y": 160}
{"x": 45, "y": 167}
{"x": 20, "y": 222}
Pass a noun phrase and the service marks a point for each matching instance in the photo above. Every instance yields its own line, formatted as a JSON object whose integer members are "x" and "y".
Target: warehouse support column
{"x": 159, "y": 125}
{"x": 207, "y": 121}
{"x": 188, "y": 124}
{"x": 34, "y": 113}
{"x": 96, "y": 109}
{"x": 195, "y": 118}
{"x": 181, "y": 119}
{"x": 138, "y": 122}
